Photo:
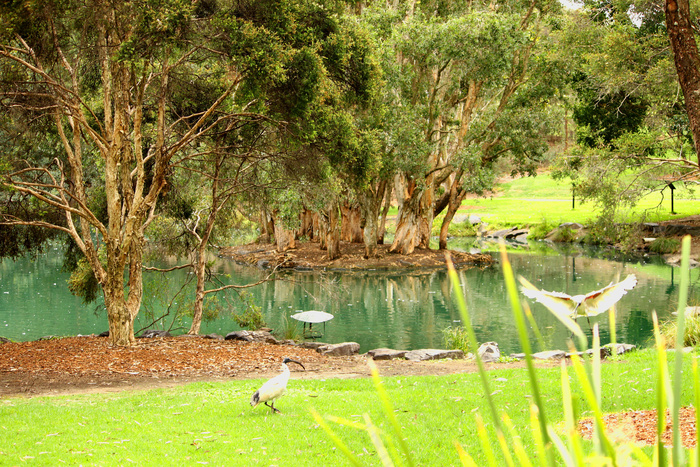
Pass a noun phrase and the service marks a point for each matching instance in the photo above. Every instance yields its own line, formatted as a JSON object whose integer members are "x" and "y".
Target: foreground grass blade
{"x": 597, "y": 383}
{"x": 613, "y": 328}
{"x": 336, "y": 440}
{"x": 466, "y": 320}
{"x": 570, "y": 421}
{"x": 661, "y": 392}
{"x": 537, "y": 435}
{"x": 589, "y": 393}
{"x": 464, "y": 456}
{"x": 520, "y": 453}
{"x": 697, "y": 412}
{"x": 389, "y": 410}
{"x": 512, "y": 289}
{"x": 377, "y": 442}
{"x": 485, "y": 441}
{"x": 535, "y": 328}
{"x": 680, "y": 336}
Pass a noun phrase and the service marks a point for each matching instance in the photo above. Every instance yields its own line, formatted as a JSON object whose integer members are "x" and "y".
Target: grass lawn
{"x": 212, "y": 423}
{"x": 530, "y": 200}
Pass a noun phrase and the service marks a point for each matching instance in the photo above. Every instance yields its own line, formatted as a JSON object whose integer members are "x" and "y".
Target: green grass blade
{"x": 336, "y": 440}
{"x": 377, "y": 442}
{"x": 518, "y": 448}
{"x": 570, "y": 422}
{"x": 595, "y": 379}
{"x": 612, "y": 327}
{"x": 505, "y": 449}
{"x": 537, "y": 435}
{"x": 589, "y": 394}
{"x": 466, "y": 320}
{"x": 464, "y": 456}
{"x": 561, "y": 447}
{"x": 512, "y": 289}
{"x": 389, "y": 411}
{"x": 680, "y": 336}
{"x": 485, "y": 441}
{"x": 535, "y": 328}
{"x": 661, "y": 390}
{"x": 697, "y": 412}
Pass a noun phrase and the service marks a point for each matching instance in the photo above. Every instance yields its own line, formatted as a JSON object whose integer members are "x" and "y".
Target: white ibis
{"x": 274, "y": 388}
{"x": 590, "y": 304}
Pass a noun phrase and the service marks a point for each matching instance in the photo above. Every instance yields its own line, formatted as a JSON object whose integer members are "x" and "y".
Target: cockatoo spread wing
{"x": 601, "y": 300}
{"x": 590, "y": 304}
{"x": 557, "y": 302}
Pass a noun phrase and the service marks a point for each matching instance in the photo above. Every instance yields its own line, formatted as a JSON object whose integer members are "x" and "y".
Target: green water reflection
{"x": 401, "y": 310}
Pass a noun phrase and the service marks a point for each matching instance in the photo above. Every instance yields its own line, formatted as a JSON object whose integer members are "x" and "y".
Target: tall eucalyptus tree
{"x": 463, "y": 91}
{"x": 110, "y": 80}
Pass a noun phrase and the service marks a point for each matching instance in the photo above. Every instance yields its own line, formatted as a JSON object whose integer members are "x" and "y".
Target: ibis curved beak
{"x": 289, "y": 360}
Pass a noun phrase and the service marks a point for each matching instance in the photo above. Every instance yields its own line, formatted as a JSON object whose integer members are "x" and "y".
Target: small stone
{"x": 489, "y": 352}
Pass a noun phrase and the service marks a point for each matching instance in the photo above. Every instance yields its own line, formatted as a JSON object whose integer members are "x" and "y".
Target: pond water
{"x": 394, "y": 309}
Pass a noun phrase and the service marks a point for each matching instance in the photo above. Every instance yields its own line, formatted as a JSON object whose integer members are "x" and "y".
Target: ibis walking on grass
{"x": 274, "y": 388}
{"x": 590, "y": 304}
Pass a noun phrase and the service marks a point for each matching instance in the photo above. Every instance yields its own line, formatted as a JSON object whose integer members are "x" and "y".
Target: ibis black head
{"x": 289, "y": 360}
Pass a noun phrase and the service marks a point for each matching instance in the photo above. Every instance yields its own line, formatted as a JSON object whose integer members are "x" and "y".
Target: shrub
{"x": 291, "y": 330}
{"x": 251, "y": 317}
{"x": 456, "y": 339}
{"x": 664, "y": 245}
{"x": 691, "y": 336}
{"x": 540, "y": 231}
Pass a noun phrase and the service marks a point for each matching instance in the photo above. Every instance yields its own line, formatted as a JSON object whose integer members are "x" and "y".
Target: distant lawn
{"x": 530, "y": 200}
{"x": 526, "y": 201}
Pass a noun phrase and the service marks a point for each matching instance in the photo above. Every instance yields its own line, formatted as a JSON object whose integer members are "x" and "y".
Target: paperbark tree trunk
{"x": 350, "y": 224}
{"x": 200, "y": 271}
{"x": 371, "y": 202}
{"x": 385, "y": 211}
{"x": 332, "y": 233}
{"x": 414, "y": 221}
{"x": 284, "y": 238}
{"x": 687, "y": 60}
{"x": 307, "y": 225}
{"x": 457, "y": 195}
{"x": 267, "y": 227}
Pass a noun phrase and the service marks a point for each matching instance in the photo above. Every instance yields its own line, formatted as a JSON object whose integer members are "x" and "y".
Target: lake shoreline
{"x": 309, "y": 256}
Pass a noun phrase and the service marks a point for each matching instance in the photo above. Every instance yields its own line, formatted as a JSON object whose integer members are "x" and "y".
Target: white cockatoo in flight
{"x": 590, "y": 304}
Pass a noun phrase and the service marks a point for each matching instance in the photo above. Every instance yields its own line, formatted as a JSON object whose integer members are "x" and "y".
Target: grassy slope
{"x": 213, "y": 423}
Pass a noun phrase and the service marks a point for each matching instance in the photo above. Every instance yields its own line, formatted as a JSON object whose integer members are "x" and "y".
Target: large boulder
{"x": 387, "y": 354}
{"x": 344, "y": 349}
{"x": 489, "y": 352}
{"x": 251, "y": 336}
{"x": 433, "y": 354}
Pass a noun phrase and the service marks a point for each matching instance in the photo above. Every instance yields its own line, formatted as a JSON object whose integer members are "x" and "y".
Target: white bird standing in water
{"x": 274, "y": 388}
{"x": 590, "y": 304}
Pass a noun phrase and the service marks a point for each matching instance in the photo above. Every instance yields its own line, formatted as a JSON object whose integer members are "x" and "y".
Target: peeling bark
{"x": 687, "y": 60}
{"x": 350, "y": 224}
{"x": 371, "y": 202}
{"x": 285, "y": 239}
{"x": 332, "y": 231}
